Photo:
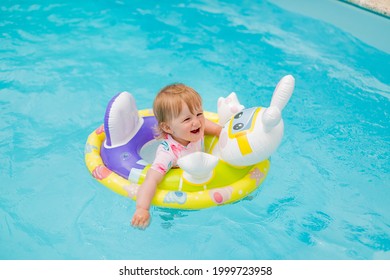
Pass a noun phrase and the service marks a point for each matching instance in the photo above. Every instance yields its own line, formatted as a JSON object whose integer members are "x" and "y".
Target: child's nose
{"x": 195, "y": 122}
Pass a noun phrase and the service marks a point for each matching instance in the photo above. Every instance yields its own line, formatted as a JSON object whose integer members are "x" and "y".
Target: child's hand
{"x": 141, "y": 218}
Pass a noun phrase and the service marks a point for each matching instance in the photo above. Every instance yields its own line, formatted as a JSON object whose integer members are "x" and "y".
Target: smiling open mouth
{"x": 195, "y": 131}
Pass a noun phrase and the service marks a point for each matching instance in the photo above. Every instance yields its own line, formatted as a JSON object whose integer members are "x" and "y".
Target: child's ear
{"x": 166, "y": 128}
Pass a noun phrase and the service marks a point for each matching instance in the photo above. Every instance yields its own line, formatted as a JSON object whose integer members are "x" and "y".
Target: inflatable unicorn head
{"x": 253, "y": 134}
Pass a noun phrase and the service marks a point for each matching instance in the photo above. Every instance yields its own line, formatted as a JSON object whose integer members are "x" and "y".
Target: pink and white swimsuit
{"x": 169, "y": 151}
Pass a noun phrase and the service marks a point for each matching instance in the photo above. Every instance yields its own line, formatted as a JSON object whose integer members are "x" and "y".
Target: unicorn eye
{"x": 238, "y": 126}
{"x": 238, "y": 115}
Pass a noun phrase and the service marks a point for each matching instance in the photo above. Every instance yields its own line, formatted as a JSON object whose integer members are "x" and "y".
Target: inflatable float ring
{"x": 228, "y": 184}
{"x": 118, "y": 154}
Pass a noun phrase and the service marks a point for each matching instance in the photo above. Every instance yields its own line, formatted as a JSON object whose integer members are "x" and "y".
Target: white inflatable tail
{"x": 121, "y": 121}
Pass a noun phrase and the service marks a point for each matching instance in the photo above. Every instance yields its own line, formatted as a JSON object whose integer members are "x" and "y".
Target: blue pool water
{"x": 327, "y": 195}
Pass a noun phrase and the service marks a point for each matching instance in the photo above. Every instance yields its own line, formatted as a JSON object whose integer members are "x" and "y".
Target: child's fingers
{"x": 140, "y": 222}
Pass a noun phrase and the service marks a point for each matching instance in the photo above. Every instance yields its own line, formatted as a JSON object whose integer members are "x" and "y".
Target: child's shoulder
{"x": 165, "y": 145}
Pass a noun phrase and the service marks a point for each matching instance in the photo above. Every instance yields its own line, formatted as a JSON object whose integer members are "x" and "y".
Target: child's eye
{"x": 200, "y": 114}
{"x": 186, "y": 120}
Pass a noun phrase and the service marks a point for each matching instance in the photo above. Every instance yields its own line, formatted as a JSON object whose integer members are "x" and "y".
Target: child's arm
{"x": 141, "y": 217}
{"x": 212, "y": 128}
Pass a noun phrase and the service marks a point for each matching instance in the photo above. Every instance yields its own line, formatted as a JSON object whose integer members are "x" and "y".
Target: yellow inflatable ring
{"x": 229, "y": 184}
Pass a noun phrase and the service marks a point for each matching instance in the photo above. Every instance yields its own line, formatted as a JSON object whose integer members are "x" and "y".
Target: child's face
{"x": 187, "y": 127}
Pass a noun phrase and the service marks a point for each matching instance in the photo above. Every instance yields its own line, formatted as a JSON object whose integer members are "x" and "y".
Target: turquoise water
{"x": 327, "y": 195}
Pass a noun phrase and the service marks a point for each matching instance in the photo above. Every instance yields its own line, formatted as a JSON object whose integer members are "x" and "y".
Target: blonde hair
{"x": 168, "y": 104}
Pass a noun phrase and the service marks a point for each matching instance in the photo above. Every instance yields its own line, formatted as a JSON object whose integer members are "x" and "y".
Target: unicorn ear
{"x": 228, "y": 107}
